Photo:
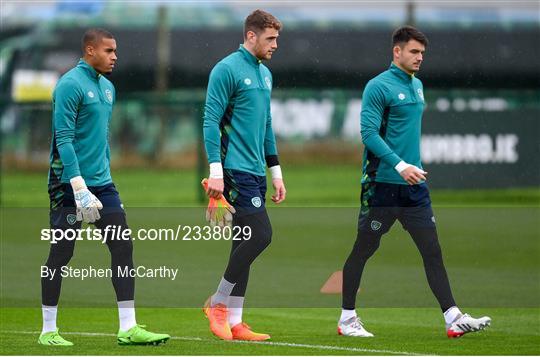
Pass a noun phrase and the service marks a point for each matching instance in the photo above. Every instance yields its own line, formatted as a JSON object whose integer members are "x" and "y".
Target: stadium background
{"x": 480, "y": 146}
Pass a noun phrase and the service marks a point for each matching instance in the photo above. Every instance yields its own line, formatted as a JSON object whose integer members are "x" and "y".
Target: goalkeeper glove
{"x": 219, "y": 212}
{"x": 88, "y": 205}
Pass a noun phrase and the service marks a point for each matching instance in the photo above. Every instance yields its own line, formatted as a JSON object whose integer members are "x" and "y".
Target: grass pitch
{"x": 302, "y": 331}
{"x": 490, "y": 242}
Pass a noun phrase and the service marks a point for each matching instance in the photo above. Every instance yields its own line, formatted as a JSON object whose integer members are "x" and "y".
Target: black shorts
{"x": 245, "y": 191}
{"x": 63, "y": 214}
{"x": 383, "y": 203}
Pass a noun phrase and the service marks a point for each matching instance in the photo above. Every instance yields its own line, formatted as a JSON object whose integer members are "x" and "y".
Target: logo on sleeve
{"x": 401, "y": 96}
{"x": 108, "y": 94}
{"x": 268, "y": 82}
{"x": 247, "y": 81}
{"x": 91, "y": 94}
{"x": 256, "y": 201}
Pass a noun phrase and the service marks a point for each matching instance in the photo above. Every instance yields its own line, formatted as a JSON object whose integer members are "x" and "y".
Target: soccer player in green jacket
{"x": 81, "y": 187}
{"x": 240, "y": 143}
{"x": 393, "y": 184}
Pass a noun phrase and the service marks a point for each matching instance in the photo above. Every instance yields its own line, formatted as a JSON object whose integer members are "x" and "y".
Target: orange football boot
{"x": 219, "y": 322}
{"x": 243, "y": 332}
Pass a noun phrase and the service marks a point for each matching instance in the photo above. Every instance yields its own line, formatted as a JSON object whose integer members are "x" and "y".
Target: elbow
{"x": 208, "y": 123}
{"x": 365, "y": 134}
{"x": 210, "y": 120}
{"x": 63, "y": 139}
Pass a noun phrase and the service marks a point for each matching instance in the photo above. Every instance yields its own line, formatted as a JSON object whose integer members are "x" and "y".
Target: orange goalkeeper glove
{"x": 219, "y": 212}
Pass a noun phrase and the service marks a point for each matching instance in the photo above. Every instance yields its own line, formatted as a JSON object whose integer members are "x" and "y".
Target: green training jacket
{"x": 82, "y": 106}
{"x": 390, "y": 124}
{"x": 237, "y": 120}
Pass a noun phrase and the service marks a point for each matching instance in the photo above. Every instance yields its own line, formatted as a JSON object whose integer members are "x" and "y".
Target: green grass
{"x": 306, "y": 185}
{"x": 310, "y": 331}
{"x": 490, "y": 242}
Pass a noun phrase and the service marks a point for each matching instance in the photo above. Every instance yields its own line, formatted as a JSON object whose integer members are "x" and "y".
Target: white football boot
{"x": 465, "y": 323}
{"x": 352, "y": 327}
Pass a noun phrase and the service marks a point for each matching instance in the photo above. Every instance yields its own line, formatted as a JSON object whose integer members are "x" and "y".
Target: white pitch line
{"x": 333, "y": 348}
{"x": 268, "y": 343}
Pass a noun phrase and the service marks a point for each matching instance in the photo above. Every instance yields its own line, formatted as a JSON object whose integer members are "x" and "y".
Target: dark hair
{"x": 406, "y": 33}
{"x": 259, "y": 20}
{"x": 94, "y": 36}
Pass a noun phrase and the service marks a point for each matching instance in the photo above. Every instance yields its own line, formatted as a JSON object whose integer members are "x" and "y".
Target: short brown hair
{"x": 406, "y": 33}
{"x": 259, "y": 20}
{"x": 93, "y": 36}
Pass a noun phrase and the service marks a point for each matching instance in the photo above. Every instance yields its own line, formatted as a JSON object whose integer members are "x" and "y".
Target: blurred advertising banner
{"x": 33, "y": 86}
{"x": 469, "y": 150}
{"x": 471, "y": 138}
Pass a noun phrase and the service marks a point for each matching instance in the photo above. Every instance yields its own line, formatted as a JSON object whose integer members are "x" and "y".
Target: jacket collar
{"x": 249, "y": 57}
{"x": 400, "y": 73}
{"x": 88, "y": 69}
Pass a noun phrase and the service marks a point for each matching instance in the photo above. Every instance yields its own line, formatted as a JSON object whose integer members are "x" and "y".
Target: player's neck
{"x": 89, "y": 61}
{"x": 403, "y": 69}
{"x": 250, "y": 50}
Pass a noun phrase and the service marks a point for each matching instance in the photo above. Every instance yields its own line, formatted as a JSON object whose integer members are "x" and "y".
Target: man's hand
{"x": 219, "y": 212}
{"x": 88, "y": 205}
{"x": 214, "y": 187}
{"x": 413, "y": 175}
{"x": 279, "y": 189}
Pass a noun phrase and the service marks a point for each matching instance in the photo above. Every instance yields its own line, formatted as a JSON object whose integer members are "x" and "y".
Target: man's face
{"x": 265, "y": 43}
{"x": 102, "y": 56}
{"x": 410, "y": 56}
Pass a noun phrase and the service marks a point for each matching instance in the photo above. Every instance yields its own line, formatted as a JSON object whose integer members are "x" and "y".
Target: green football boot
{"x": 137, "y": 335}
{"x": 53, "y": 338}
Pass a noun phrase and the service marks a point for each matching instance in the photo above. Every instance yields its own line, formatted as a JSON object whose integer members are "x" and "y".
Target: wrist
{"x": 275, "y": 172}
{"x": 402, "y": 165}
{"x": 77, "y": 183}
{"x": 216, "y": 170}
